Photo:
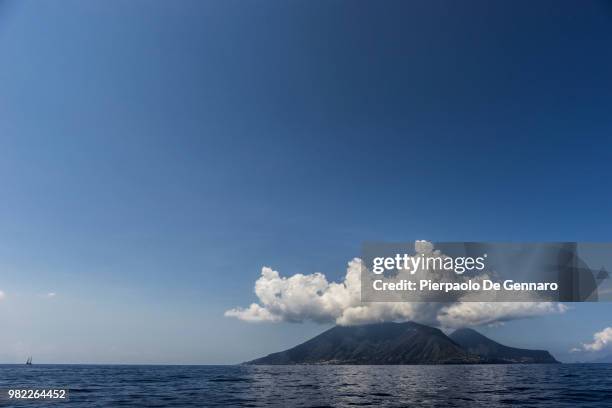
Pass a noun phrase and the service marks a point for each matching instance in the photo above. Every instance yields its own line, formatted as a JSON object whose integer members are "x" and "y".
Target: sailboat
{"x": 29, "y": 361}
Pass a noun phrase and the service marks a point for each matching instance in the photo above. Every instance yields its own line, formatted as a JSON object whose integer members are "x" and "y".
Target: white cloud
{"x": 253, "y": 313}
{"x": 51, "y": 294}
{"x": 301, "y": 297}
{"x": 312, "y": 297}
{"x": 462, "y": 314}
{"x": 601, "y": 340}
{"x": 2, "y": 295}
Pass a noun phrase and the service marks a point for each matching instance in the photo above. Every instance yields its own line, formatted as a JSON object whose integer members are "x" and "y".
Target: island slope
{"x": 475, "y": 343}
{"x": 382, "y": 343}
{"x": 402, "y": 343}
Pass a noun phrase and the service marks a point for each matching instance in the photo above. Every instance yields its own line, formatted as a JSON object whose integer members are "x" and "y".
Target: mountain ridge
{"x": 392, "y": 343}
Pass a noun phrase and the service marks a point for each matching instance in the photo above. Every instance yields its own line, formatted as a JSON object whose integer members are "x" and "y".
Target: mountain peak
{"x": 467, "y": 333}
{"x": 401, "y": 343}
{"x": 379, "y": 343}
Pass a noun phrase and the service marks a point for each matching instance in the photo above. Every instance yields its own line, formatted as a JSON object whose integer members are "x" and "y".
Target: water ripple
{"x": 563, "y": 385}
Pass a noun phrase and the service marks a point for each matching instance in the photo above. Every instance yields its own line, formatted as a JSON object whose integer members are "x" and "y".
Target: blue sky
{"x": 155, "y": 155}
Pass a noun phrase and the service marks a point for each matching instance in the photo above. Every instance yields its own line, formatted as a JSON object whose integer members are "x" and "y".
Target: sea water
{"x": 547, "y": 385}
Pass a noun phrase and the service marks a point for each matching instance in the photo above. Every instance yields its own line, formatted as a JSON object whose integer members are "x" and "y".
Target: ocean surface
{"x": 554, "y": 385}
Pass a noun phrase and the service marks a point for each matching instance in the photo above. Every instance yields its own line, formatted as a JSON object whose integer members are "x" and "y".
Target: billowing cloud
{"x": 253, "y": 313}
{"x": 301, "y": 297}
{"x": 602, "y": 340}
{"x": 462, "y": 314}
{"x": 312, "y": 297}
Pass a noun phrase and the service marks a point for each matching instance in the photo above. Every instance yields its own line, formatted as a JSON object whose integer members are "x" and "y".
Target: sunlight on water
{"x": 551, "y": 385}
